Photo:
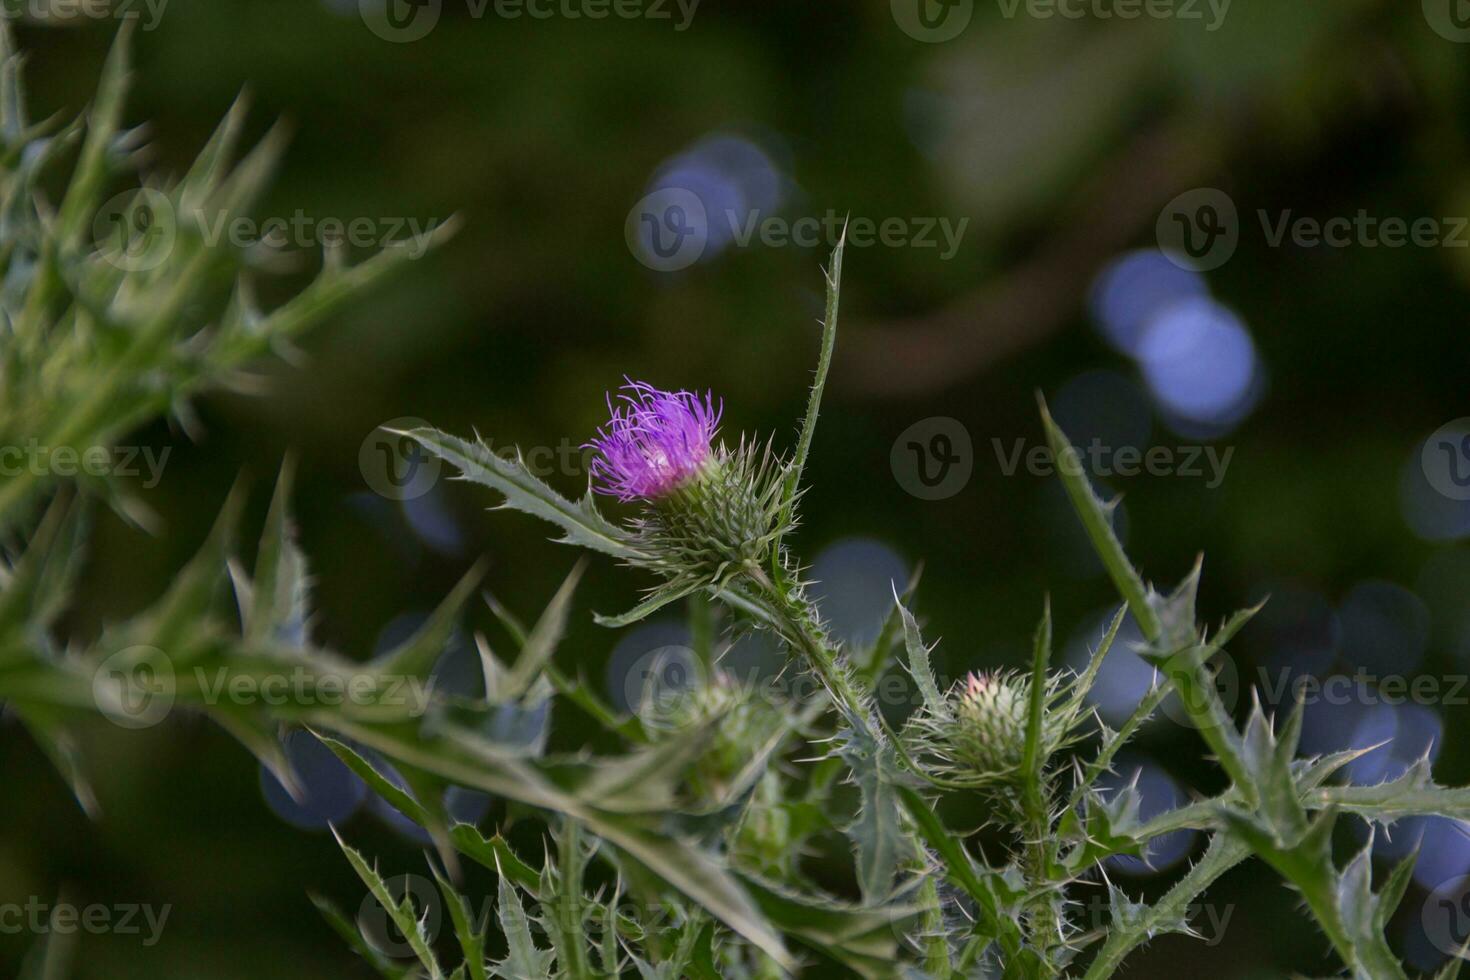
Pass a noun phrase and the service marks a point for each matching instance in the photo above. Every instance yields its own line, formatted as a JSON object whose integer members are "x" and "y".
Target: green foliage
{"x": 117, "y": 309}
{"x": 673, "y": 849}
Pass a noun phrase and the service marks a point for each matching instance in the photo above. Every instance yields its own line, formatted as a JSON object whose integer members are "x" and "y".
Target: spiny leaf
{"x": 467, "y": 760}
{"x": 653, "y": 603}
{"x": 279, "y": 597}
{"x": 494, "y": 853}
{"x": 61, "y": 748}
{"x": 814, "y": 401}
{"x": 542, "y": 641}
{"x": 175, "y": 622}
{"x": 1032, "y": 756}
{"x": 401, "y": 912}
{"x": 213, "y": 161}
{"x": 260, "y": 735}
{"x": 390, "y": 791}
{"x": 1413, "y": 793}
{"x": 1269, "y": 762}
{"x": 873, "y": 664}
{"x": 37, "y": 587}
{"x": 416, "y": 656}
{"x": 1306, "y": 862}
{"x": 91, "y": 173}
{"x": 918, "y": 655}
{"x": 1095, "y": 520}
{"x": 355, "y": 941}
{"x": 996, "y": 919}
{"x": 523, "y": 958}
{"x": 471, "y": 937}
{"x": 1083, "y": 684}
{"x": 862, "y": 938}
{"x": 645, "y": 780}
{"x": 876, "y": 833}
{"x": 581, "y": 523}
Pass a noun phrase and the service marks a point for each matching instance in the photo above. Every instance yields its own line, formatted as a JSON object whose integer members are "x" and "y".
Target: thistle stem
{"x": 796, "y": 617}
{"x": 1044, "y": 922}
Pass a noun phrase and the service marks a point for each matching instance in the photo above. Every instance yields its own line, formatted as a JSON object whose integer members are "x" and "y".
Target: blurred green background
{"x": 1322, "y": 369}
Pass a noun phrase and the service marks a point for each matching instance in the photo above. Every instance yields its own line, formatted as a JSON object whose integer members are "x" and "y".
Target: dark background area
{"x": 1061, "y": 141}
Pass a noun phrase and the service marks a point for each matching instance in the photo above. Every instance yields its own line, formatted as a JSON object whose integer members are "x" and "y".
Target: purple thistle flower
{"x": 655, "y": 441}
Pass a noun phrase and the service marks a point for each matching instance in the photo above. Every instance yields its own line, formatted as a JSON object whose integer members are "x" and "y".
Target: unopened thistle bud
{"x": 741, "y": 723}
{"x": 709, "y": 511}
{"x": 980, "y": 735}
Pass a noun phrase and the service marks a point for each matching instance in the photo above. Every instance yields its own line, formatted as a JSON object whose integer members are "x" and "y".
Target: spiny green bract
{"x": 718, "y": 524}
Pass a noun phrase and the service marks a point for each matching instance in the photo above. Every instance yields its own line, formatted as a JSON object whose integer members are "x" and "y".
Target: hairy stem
{"x": 797, "y": 620}
{"x": 1044, "y": 922}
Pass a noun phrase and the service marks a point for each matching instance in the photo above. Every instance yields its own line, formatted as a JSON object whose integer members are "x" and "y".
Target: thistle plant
{"x": 675, "y": 844}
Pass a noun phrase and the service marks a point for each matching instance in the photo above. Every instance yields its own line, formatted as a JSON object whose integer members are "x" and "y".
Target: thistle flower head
{"x": 990, "y": 720}
{"x": 710, "y": 510}
{"x": 655, "y": 441}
